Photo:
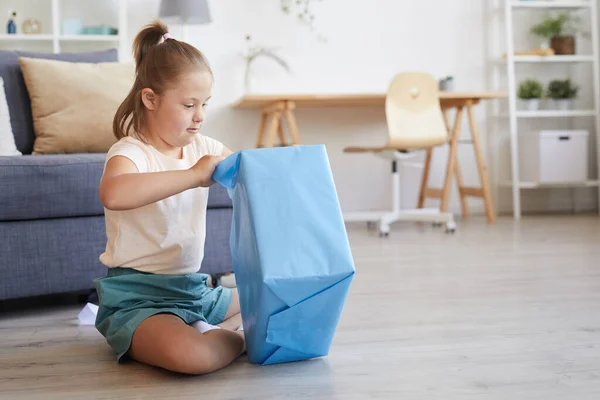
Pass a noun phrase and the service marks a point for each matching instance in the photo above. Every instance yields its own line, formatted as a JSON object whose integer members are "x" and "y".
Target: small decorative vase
{"x": 11, "y": 26}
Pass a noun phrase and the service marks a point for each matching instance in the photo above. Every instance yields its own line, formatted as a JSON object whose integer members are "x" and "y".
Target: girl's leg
{"x": 233, "y": 318}
{"x": 166, "y": 341}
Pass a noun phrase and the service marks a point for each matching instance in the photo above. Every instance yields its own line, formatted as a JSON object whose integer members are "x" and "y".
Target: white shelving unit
{"x": 534, "y": 185}
{"x": 515, "y": 115}
{"x": 550, "y": 4}
{"x": 553, "y": 59}
{"x": 57, "y": 38}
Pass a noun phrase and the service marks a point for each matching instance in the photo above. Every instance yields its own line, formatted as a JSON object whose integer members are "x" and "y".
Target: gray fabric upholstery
{"x": 217, "y": 253}
{"x": 19, "y": 104}
{"x": 51, "y": 219}
{"x": 58, "y": 186}
{"x": 218, "y": 197}
{"x": 50, "y": 186}
{"x": 50, "y": 256}
{"x": 52, "y": 225}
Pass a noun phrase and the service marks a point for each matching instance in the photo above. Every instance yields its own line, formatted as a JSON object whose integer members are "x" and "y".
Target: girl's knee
{"x": 166, "y": 341}
{"x": 190, "y": 357}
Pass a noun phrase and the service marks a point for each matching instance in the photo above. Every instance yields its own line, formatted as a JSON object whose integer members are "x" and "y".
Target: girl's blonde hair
{"x": 158, "y": 63}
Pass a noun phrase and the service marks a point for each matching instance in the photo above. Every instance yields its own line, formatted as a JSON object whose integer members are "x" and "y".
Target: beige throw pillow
{"x": 73, "y": 104}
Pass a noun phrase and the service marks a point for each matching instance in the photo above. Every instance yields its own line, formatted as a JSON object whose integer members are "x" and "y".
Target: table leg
{"x": 280, "y": 134}
{"x": 459, "y": 181}
{"x": 274, "y": 126}
{"x": 481, "y": 167}
{"x": 261, "y": 129}
{"x": 451, "y": 159}
{"x": 291, "y": 122}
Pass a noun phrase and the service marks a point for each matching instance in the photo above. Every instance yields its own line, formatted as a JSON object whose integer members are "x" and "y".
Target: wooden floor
{"x": 508, "y": 311}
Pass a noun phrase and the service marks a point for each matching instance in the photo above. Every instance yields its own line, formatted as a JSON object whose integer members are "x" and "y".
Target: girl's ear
{"x": 149, "y": 98}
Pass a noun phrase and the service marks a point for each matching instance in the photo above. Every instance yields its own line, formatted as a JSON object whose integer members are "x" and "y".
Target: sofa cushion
{"x": 50, "y": 186}
{"x": 58, "y": 186}
{"x": 73, "y": 104}
{"x": 16, "y": 91}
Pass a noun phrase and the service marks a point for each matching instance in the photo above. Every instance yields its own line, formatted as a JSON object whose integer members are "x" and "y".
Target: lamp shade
{"x": 185, "y": 11}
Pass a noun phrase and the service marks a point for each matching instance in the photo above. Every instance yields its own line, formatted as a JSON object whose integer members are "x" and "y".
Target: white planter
{"x": 531, "y": 104}
{"x": 562, "y": 104}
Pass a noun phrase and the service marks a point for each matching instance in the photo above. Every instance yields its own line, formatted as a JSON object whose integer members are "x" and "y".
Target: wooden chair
{"x": 415, "y": 122}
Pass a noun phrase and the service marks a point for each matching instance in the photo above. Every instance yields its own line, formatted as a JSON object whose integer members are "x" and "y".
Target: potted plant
{"x": 530, "y": 92}
{"x": 562, "y": 92}
{"x": 558, "y": 31}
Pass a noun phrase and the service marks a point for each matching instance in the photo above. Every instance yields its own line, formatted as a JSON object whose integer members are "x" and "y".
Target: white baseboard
{"x": 583, "y": 200}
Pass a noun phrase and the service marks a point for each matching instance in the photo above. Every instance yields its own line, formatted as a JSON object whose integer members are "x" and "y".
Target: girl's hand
{"x": 204, "y": 169}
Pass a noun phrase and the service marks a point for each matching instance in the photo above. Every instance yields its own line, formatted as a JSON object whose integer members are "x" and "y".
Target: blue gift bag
{"x": 290, "y": 250}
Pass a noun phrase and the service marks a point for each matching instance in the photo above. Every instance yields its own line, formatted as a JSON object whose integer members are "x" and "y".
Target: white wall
{"x": 367, "y": 43}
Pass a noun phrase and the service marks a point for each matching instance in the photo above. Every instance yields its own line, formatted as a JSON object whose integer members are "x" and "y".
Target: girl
{"x": 154, "y": 306}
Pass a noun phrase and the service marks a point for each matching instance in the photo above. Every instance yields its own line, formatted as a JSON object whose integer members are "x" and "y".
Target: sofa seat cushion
{"x": 50, "y": 186}
{"x": 59, "y": 186}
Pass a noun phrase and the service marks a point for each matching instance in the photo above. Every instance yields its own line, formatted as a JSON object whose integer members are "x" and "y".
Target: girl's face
{"x": 175, "y": 117}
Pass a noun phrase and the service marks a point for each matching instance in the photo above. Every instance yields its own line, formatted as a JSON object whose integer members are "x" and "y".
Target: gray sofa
{"x": 51, "y": 219}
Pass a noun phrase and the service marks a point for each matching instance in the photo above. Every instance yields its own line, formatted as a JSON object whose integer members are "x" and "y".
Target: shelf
{"x": 555, "y": 113}
{"x": 554, "y": 59}
{"x": 551, "y": 4}
{"x": 536, "y": 185}
{"x": 72, "y": 38}
{"x": 90, "y": 38}
{"x": 22, "y": 36}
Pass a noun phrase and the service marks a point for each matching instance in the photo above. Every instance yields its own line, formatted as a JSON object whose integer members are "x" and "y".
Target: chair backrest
{"x": 413, "y": 112}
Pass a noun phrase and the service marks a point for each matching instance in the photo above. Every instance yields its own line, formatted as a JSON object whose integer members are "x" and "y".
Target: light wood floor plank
{"x": 503, "y": 311}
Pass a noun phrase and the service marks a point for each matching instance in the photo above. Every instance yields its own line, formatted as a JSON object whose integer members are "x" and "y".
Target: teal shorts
{"x": 127, "y": 297}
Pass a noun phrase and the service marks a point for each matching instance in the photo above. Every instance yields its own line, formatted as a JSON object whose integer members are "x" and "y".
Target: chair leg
{"x": 425, "y": 179}
{"x": 417, "y": 215}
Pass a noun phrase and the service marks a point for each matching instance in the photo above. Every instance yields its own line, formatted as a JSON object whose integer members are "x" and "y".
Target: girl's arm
{"x": 123, "y": 188}
{"x": 226, "y": 152}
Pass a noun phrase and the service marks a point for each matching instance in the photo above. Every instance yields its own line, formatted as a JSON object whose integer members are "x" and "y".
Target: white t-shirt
{"x": 166, "y": 237}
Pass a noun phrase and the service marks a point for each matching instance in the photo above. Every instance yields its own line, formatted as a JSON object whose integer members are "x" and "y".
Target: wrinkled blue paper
{"x": 290, "y": 250}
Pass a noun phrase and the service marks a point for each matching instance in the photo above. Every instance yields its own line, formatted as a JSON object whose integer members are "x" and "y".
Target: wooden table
{"x": 281, "y": 107}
